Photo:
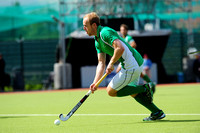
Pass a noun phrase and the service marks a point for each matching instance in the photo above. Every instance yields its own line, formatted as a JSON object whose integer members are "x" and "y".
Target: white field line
{"x": 11, "y": 115}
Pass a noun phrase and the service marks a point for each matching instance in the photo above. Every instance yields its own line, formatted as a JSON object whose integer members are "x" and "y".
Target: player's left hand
{"x": 93, "y": 87}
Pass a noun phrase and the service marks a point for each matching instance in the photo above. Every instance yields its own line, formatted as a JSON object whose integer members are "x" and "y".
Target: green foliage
{"x": 38, "y": 31}
{"x": 29, "y": 87}
{"x": 8, "y": 88}
{"x": 33, "y": 80}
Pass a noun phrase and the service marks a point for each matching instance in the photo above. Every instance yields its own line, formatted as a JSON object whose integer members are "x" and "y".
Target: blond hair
{"x": 93, "y": 18}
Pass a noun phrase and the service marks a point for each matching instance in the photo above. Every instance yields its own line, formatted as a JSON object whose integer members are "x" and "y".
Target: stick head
{"x": 62, "y": 118}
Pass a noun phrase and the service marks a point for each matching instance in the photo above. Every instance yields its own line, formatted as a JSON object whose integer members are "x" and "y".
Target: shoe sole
{"x": 161, "y": 117}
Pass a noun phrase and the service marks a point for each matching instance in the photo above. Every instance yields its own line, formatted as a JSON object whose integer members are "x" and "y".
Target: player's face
{"x": 123, "y": 31}
{"x": 87, "y": 27}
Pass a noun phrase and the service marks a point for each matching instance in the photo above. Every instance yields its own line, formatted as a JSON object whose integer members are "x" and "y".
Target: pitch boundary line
{"x": 27, "y": 115}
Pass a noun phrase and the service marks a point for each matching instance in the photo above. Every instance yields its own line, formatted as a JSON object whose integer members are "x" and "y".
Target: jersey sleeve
{"x": 109, "y": 36}
{"x": 97, "y": 47}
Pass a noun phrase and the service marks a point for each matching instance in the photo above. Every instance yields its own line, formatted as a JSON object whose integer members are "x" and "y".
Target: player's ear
{"x": 94, "y": 25}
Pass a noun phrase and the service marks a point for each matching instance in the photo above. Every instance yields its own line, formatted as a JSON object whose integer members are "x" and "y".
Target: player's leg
{"x": 140, "y": 98}
{"x": 126, "y": 91}
{"x": 111, "y": 92}
{"x": 145, "y": 77}
{"x": 156, "y": 113}
{"x": 119, "y": 84}
{"x": 139, "y": 92}
{"x": 148, "y": 80}
{"x": 130, "y": 90}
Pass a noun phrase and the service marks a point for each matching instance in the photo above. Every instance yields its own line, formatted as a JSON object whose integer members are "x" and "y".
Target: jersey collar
{"x": 99, "y": 30}
{"x": 125, "y": 36}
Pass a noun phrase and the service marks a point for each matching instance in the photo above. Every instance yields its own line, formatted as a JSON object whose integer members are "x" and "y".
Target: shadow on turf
{"x": 11, "y": 117}
{"x": 171, "y": 121}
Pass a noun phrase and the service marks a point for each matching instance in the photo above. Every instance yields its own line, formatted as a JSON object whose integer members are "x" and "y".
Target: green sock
{"x": 143, "y": 100}
{"x": 146, "y": 78}
{"x": 130, "y": 90}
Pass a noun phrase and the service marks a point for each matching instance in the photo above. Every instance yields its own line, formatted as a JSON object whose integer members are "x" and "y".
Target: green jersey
{"x": 104, "y": 44}
{"x": 129, "y": 39}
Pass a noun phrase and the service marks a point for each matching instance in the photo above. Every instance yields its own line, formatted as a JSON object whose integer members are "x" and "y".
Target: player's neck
{"x": 124, "y": 36}
{"x": 95, "y": 33}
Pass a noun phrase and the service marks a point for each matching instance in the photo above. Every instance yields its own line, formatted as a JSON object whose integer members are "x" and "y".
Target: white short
{"x": 125, "y": 77}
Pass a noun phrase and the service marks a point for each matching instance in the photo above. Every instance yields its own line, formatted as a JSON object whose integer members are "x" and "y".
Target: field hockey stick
{"x": 194, "y": 52}
{"x": 62, "y": 118}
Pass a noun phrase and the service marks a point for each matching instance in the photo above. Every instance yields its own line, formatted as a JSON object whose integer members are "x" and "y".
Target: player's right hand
{"x": 93, "y": 87}
{"x": 109, "y": 68}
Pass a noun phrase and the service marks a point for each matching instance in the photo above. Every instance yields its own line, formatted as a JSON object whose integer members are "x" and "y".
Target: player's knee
{"x": 111, "y": 92}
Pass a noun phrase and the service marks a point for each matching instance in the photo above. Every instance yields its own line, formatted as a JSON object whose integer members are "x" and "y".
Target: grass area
{"x": 180, "y": 102}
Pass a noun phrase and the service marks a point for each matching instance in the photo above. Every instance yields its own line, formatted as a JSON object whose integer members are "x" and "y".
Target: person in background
{"x": 196, "y": 67}
{"x": 147, "y": 65}
{"x": 2, "y": 72}
{"x": 127, "y": 38}
{"x": 130, "y": 40}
